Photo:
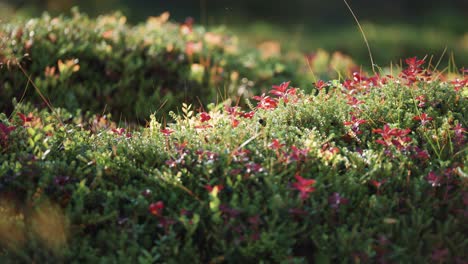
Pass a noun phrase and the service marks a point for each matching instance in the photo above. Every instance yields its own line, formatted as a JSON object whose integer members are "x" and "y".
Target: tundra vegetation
{"x": 168, "y": 143}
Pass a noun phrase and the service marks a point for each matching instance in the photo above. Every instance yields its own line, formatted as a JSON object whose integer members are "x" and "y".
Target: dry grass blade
{"x": 363, "y": 35}
{"x": 49, "y": 105}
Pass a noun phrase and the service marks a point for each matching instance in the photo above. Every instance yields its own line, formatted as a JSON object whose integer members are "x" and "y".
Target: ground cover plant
{"x": 367, "y": 169}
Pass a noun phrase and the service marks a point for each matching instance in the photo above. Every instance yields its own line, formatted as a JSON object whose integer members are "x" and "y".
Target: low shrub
{"x": 104, "y": 64}
{"x": 372, "y": 169}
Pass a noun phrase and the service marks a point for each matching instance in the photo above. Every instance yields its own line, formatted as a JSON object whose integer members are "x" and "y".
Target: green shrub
{"x": 106, "y": 65}
{"x": 356, "y": 173}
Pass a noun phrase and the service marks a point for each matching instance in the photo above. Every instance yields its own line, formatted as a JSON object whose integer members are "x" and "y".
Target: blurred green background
{"x": 395, "y": 28}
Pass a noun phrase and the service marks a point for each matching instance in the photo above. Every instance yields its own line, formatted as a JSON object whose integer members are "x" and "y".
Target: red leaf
{"x": 156, "y": 208}
{"x": 304, "y": 186}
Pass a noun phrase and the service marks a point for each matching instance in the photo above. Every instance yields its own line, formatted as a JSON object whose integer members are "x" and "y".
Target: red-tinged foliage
{"x": 6, "y": 130}
{"x": 156, "y": 208}
{"x": 421, "y": 154}
{"x": 320, "y": 84}
{"x": 393, "y": 136}
{"x": 401, "y": 132}
{"x": 265, "y": 208}
{"x": 414, "y": 71}
{"x": 181, "y": 147}
{"x": 459, "y": 130}
{"x": 25, "y": 119}
{"x": 361, "y": 83}
{"x": 280, "y": 90}
{"x": 283, "y": 91}
{"x": 304, "y": 186}
{"x": 265, "y": 102}
{"x": 247, "y": 115}
{"x": 29, "y": 120}
{"x": 424, "y": 118}
{"x": 458, "y": 84}
{"x": 234, "y": 122}
{"x": 121, "y": 132}
{"x": 422, "y": 101}
{"x": 204, "y": 126}
{"x": 234, "y": 111}
{"x": 297, "y": 154}
{"x": 241, "y": 155}
{"x": 167, "y": 131}
{"x": 118, "y": 131}
{"x": 206, "y": 155}
{"x": 433, "y": 179}
{"x": 354, "y": 102}
{"x": 204, "y": 116}
{"x": 460, "y": 137}
{"x": 253, "y": 168}
{"x": 414, "y": 63}
{"x": 5, "y": 133}
{"x": 355, "y": 123}
{"x": 275, "y": 144}
{"x": 385, "y": 132}
{"x": 377, "y": 184}
{"x": 414, "y": 67}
